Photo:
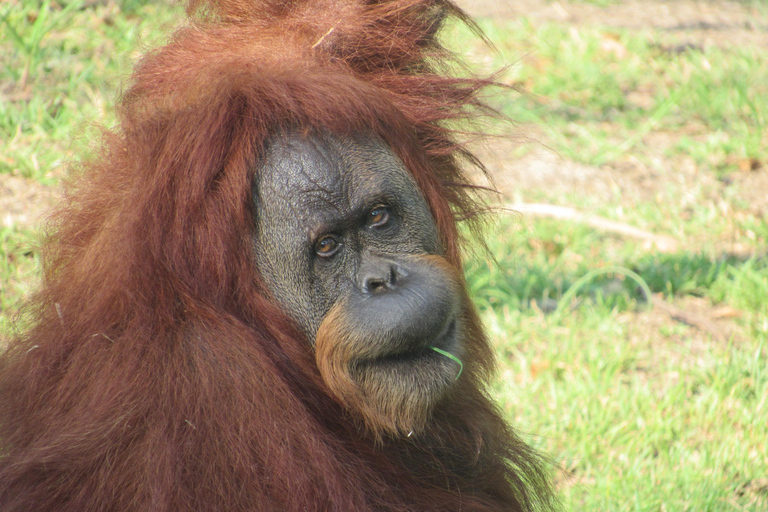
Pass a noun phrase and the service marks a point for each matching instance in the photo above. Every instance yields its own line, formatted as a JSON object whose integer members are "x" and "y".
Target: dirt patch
{"x": 538, "y": 171}
{"x": 23, "y": 201}
{"x": 541, "y": 169}
{"x": 698, "y": 22}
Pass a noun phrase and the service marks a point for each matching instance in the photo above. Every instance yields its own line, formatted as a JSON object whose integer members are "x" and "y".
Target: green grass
{"x": 658, "y": 406}
{"x": 61, "y": 70}
{"x": 19, "y": 271}
{"x": 640, "y": 411}
{"x": 642, "y": 408}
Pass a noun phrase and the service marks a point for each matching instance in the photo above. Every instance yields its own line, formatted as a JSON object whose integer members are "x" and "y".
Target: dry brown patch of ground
{"x": 697, "y": 22}
{"x": 23, "y": 201}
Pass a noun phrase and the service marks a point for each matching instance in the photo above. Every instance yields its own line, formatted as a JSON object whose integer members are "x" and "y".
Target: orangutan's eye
{"x": 327, "y": 246}
{"x": 378, "y": 217}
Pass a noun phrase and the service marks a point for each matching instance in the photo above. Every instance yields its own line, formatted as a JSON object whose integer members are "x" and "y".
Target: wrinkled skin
{"x": 347, "y": 246}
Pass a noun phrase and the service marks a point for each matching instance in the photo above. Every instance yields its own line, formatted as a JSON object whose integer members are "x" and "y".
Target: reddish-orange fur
{"x": 157, "y": 374}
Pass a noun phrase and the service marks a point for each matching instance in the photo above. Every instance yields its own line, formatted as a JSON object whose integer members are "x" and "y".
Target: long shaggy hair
{"x": 157, "y": 374}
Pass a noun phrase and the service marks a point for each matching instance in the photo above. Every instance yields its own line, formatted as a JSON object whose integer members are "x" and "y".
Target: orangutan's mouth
{"x": 417, "y": 353}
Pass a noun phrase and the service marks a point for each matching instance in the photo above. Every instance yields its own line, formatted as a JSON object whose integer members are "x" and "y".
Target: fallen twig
{"x": 662, "y": 243}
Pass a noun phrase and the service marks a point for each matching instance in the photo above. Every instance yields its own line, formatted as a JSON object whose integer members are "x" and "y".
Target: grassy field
{"x": 633, "y": 330}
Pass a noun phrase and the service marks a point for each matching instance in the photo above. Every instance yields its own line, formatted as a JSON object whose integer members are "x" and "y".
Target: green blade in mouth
{"x": 451, "y": 357}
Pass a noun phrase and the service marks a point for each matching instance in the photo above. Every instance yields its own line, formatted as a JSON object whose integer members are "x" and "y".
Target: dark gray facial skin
{"x": 310, "y": 188}
{"x": 347, "y": 246}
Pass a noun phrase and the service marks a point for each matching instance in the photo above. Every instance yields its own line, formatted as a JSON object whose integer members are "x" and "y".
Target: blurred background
{"x": 625, "y": 279}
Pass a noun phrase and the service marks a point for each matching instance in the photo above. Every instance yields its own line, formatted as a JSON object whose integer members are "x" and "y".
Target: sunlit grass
{"x": 641, "y": 411}
{"x": 61, "y": 67}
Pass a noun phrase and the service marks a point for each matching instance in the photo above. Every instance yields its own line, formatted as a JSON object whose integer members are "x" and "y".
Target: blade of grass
{"x": 451, "y": 357}
{"x": 589, "y": 276}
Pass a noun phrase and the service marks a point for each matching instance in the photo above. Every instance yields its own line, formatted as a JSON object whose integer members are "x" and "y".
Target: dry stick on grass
{"x": 661, "y": 243}
{"x": 698, "y": 321}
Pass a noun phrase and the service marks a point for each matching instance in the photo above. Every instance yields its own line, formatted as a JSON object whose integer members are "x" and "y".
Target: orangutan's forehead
{"x": 319, "y": 173}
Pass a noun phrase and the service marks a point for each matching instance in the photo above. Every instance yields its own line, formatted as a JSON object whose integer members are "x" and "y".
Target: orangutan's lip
{"x": 446, "y": 340}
